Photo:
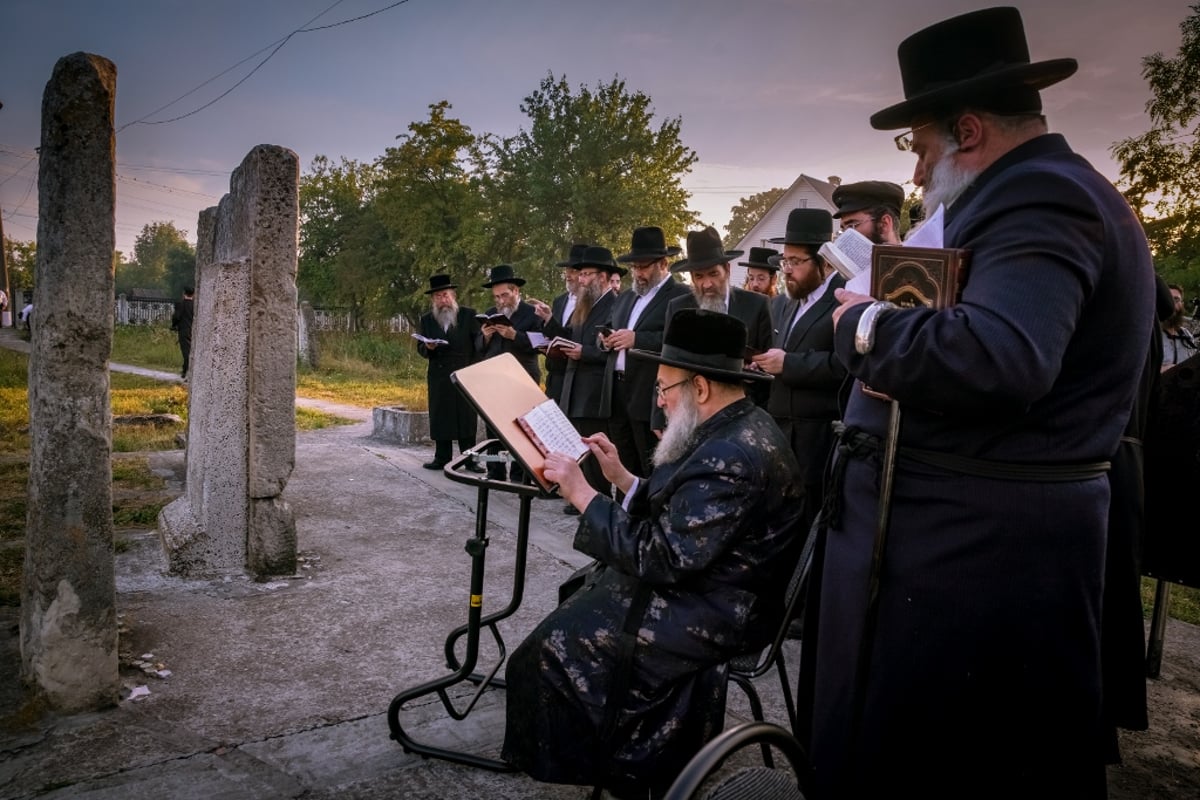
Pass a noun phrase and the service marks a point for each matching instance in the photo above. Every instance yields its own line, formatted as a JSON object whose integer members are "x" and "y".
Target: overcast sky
{"x": 766, "y": 89}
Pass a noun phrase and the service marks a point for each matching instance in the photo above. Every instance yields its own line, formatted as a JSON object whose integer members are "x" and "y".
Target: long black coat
{"x": 714, "y": 535}
{"x": 524, "y": 319}
{"x": 451, "y": 416}
{"x": 583, "y": 395}
{"x": 640, "y": 374}
{"x": 556, "y": 366}
{"x": 984, "y": 678}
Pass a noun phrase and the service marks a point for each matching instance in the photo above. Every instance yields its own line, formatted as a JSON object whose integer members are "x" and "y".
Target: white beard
{"x": 446, "y": 316}
{"x": 710, "y": 303}
{"x": 508, "y": 310}
{"x": 678, "y": 438}
{"x": 947, "y": 181}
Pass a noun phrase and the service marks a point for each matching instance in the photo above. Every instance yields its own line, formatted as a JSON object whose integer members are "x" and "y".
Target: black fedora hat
{"x": 439, "y": 282}
{"x": 599, "y": 257}
{"x": 704, "y": 249}
{"x": 706, "y": 342}
{"x": 649, "y": 244}
{"x": 979, "y": 59}
{"x": 573, "y": 256}
{"x": 806, "y": 226}
{"x": 851, "y": 197}
{"x": 503, "y": 274}
{"x": 759, "y": 258}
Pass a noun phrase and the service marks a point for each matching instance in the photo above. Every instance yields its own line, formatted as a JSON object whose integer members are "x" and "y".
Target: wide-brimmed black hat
{"x": 851, "y": 197}
{"x": 806, "y": 226}
{"x": 503, "y": 274}
{"x": 706, "y": 342}
{"x": 599, "y": 257}
{"x": 704, "y": 249}
{"x": 439, "y": 282}
{"x": 979, "y": 59}
{"x": 759, "y": 258}
{"x": 572, "y": 257}
{"x": 649, "y": 244}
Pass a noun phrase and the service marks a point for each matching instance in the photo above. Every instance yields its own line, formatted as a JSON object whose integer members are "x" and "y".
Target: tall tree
{"x": 335, "y": 221}
{"x": 21, "y": 258}
{"x": 1160, "y": 169}
{"x": 430, "y": 206}
{"x": 591, "y": 166}
{"x": 159, "y": 246}
{"x": 748, "y": 212}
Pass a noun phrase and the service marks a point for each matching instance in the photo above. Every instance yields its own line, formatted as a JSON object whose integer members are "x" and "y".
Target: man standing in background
{"x": 181, "y": 323}
{"x": 449, "y": 344}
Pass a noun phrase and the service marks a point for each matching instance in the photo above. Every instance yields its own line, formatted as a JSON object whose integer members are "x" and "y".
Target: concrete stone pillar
{"x": 242, "y": 400}
{"x": 68, "y": 613}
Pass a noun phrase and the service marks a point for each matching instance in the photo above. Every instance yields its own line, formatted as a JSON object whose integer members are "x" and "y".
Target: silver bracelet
{"x": 864, "y": 335}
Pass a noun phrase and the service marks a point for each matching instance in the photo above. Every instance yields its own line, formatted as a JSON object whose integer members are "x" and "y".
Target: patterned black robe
{"x": 715, "y": 537}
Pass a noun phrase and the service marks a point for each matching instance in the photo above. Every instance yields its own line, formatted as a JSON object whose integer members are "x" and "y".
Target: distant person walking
{"x": 181, "y": 323}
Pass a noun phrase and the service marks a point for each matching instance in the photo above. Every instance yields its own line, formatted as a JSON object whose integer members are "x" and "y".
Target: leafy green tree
{"x": 591, "y": 166}
{"x": 335, "y": 218}
{"x": 161, "y": 255}
{"x": 21, "y": 258}
{"x": 748, "y": 212}
{"x": 1160, "y": 169}
{"x": 430, "y": 208}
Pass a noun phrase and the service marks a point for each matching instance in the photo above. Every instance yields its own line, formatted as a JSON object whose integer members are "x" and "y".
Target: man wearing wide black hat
{"x": 694, "y": 564}
{"x": 761, "y": 275}
{"x": 975, "y": 670}
{"x": 511, "y": 320}
{"x": 556, "y": 320}
{"x": 804, "y": 394}
{"x": 584, "y": 399}
{"x": 872, "y": 208}
{"x": 448, "y": 343}
{"x": 708, "y": 262}
{"x": 639, "y": 318}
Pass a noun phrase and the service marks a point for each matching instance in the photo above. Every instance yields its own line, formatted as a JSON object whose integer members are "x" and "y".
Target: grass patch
{"x": 152, "y": 346}
{"x": 1183, "y": 603}
{"x": 308, "y": 419}
{"x": 367, "y": 370}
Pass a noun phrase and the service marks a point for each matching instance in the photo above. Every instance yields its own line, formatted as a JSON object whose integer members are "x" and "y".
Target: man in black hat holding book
{"x": 708, "y": 262}
{"x": 804, "y": 395}
{"x": 693, "y": 564}
{"x": 556, "y": 320}
{"x": 447, "y": 341}
{"x": 639, "y": 319}
{"x": 962, "y": 659}
{"x": 505, "y": 328}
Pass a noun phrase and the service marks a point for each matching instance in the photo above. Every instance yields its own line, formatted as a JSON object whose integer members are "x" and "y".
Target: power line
{"x": 277, "y": 45}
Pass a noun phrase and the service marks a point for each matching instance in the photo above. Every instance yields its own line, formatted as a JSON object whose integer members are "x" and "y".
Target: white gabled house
{"x": 805, "y": 192}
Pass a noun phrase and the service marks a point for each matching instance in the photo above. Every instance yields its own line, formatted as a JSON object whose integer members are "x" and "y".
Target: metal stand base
{"x": 464, "y": 672}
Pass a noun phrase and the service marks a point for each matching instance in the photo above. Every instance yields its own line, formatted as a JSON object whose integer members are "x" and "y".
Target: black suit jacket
{"x": 754, "y": 311}
{"x": 583, "y": 394}
{"x": 556, "y": 366}
{"x": 812, "y": 373}
{"x": 640, "y": 374}
{"x": 524, "y": 319}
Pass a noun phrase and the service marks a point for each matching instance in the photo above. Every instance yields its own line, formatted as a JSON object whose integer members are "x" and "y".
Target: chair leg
{"x": 788, "y": 701}
{"x": 756, "y": 710}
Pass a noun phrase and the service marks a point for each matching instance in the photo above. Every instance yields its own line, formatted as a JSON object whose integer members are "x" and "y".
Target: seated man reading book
{"x": 694, "y": 563}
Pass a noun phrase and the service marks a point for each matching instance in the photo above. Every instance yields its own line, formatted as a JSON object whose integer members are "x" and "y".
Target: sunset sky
{"x": 766, "y": 89}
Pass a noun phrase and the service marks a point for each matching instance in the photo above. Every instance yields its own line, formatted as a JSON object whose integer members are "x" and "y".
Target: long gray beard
{"x": 508, "y": 310}
{"x": 709, "y": 303}
{"x": 679, "y": 436}
{"x": 446, "y": 316}
{"x": 947, "y": 182}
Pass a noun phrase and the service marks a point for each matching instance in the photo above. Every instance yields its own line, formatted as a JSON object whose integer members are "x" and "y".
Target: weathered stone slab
{"x": 68, "y": 615}
{"x": 399, "y": 425}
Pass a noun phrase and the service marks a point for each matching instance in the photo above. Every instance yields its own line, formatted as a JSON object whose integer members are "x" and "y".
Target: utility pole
{"x": 6, "y": 316}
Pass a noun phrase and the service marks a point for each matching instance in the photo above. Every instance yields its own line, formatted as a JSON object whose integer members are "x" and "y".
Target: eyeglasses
{"x": 661, "y": 390}
{"x": 904, "y": 142}
{"x": 848, "y": 224}
{"x": 790, "y": 262}
{"x": 588, "y": 273}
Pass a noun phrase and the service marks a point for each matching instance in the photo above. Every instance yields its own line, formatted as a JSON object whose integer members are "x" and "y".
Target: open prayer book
{"x": 427, "y": 340}
{"x": 529, "y": 423}
{"x": 494, "y": 319}
{"x": 849, "y": 253}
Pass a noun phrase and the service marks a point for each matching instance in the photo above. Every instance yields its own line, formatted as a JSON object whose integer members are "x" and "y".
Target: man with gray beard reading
{"x": 691, "y": 570}
{"x": 447, "y": 342}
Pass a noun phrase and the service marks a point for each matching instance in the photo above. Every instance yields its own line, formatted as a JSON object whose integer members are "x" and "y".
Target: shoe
{"x": 570, "y": 510}
{"x": 434, "y": 465}
{"x": 795, "y": 628}
{"x": 471, "y": 466}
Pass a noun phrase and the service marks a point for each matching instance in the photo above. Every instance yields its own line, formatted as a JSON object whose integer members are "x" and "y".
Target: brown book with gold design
{"x": 918, "y": 276}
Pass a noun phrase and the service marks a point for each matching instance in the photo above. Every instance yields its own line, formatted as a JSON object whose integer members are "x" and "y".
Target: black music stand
{"x": 500, "y": 390}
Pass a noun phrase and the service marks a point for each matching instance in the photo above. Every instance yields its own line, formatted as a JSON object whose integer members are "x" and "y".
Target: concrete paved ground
{"x": 280, "y": 689}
